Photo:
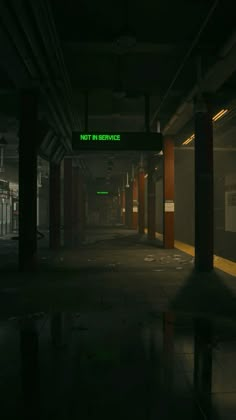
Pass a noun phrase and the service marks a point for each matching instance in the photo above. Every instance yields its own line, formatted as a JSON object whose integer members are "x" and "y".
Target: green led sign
{"x": 116, "y": 141}
{"x": 100, "y": 137}
{"x": 102, "y": 192}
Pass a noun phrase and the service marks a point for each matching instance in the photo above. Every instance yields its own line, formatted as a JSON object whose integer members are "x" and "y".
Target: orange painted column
{"x": 135, "y": 204}
{"x": 119, "y": 206}
{"x": 168, "y": 193}
{"x": 129, "y": 205}
{"x": 123, "y": 206}
{"x": 141, "y": 202}
{"x": 151, "y": 210}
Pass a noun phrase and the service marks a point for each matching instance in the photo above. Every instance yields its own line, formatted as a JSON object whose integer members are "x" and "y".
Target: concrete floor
{"x": 99, "y": 324}
{"x": 114, "y": 267}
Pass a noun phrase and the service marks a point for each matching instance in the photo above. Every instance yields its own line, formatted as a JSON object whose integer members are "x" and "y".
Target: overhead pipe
{"x": 184, "y": 107}
{"x": 46, "y": 26}
{"x": 19, "y": 43}
{"x": 186, "y": 57}
{"x": 42, "y": 19}
{"x": 26, "y": 27}
{"x": 66, "y": 79}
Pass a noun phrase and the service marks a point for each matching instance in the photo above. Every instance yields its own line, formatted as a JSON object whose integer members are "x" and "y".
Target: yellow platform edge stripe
{"x": 222, "y": 264}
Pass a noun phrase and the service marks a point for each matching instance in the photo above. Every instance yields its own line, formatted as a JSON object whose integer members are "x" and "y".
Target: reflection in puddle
{"x": 118, "y": 365}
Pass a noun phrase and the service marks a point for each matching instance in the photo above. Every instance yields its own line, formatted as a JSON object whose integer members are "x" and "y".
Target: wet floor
{"x": 118, "y": 328}
{"x": 116, "y": 364}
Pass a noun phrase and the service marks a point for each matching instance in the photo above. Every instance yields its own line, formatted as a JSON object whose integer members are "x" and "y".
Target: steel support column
{"x": 75, "y": 206}
{"x": 28, "y": 144}
{"x": 123, "y": 206}
{"x": 78, "y": 207}
{"x": 68, "y": 203}
{"x": 204, "y": 211}
{"x": 55, "y": 206}
{"x": 141, "y": 202}
{"x": 129, "y": 205}
{"x": 135, "y": 204}
{"x": 151, "y": 202}
{"x": 81, "y": 207}
{"x": 119, "y": 207}
{"x": 168, "y": 193}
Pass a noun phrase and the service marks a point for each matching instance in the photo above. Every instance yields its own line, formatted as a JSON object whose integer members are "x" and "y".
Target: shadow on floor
{"x": 205, "y": 292}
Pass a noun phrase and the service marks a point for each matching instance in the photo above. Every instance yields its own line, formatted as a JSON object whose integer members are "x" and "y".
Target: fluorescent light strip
{"x": 189, "y": 139}
{"x": 219, "y": 114}
{"x": 215, "y": 118}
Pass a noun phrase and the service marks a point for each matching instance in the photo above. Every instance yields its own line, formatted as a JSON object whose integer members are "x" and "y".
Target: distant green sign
{"x": 102, "y": 192}
{"x": 116, "y": 141}
{"x": 100, "y": 137}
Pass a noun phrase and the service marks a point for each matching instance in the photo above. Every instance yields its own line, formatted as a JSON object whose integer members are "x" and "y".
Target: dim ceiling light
{"x": 219, "y": 114}
{"x": 189, "y": 139}
{"x": 215, "y": 118}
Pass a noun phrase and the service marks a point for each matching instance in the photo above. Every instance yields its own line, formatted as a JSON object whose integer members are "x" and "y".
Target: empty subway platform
{"x": 117, "y": 210}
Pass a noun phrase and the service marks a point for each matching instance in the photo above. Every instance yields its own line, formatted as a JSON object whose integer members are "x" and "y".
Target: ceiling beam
{"x": 212, "y": 81}
{"x": 99, "y": 48}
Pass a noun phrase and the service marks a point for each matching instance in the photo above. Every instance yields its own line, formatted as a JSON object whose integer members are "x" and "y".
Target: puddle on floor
{"x": 121, "y": 364}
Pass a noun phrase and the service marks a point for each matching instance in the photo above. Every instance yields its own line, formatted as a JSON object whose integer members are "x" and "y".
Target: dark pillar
{"x": 75, "y": 207}
{"x": 168, "y": 193}
{"x": 28, "y": 180}
{"x": 129, "y": 205}
{"x": 30, "y": 379}
{"x": 141, "y": 202}
{"x": 203, "y": 364}
{"x": 204, "y": 220}
{"x": 82, "y": 208}
{"x": 55, "y": 206}
{"x": 151, "y": 204}
{"x": 79, "y": 207}
{"x": 119, "y": 207}
{"x": 68, "y": 203}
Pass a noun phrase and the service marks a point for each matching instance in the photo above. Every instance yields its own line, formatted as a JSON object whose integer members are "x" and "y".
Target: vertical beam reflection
{"x": 168, "y": 350}
{"x": 203, "y": 364}
{"x": 57, "y": 329}
{"x": 30, "y": 378}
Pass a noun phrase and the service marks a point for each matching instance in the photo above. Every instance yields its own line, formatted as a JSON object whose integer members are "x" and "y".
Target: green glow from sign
{"x": 102, "y": 192}
{"x": 100, "y": 137}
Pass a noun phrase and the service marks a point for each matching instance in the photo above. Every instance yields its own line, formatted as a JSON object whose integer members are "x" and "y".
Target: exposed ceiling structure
{"x": 114, "y": 54}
